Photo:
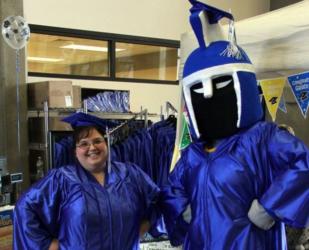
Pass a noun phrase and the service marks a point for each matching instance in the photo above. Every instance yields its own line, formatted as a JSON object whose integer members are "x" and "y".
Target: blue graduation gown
{"x": 71, "y": 206}
{"x": 264, "y": 163}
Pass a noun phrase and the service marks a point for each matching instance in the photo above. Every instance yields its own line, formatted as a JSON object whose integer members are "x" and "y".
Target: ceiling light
{"x": 44, "y": 59}
{"x": 87, "y": 47}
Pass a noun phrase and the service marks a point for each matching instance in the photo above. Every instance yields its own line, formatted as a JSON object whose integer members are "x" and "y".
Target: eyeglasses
{"x": 86, "y": 144}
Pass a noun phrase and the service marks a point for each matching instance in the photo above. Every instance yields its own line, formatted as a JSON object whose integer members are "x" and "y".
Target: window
{"x": 138, "y": 61}
{"x": 66, "y": 53}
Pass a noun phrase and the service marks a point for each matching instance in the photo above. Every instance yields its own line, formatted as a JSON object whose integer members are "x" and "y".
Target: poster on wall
{"x": 299, "y": 84}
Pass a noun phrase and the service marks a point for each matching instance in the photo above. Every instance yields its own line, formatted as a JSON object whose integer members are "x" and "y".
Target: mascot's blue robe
{"x": 71, "y": 206}
{"x": 264, "y": 163}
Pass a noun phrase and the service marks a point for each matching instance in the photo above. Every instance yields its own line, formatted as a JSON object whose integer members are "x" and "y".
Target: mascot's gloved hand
{"x": 186, "y": 215}
{"x": 259, "y": 217}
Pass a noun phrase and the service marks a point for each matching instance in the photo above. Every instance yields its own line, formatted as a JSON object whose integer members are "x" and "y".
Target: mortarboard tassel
{"x": 108, "y": 151}
{"x": 232, "y": 50}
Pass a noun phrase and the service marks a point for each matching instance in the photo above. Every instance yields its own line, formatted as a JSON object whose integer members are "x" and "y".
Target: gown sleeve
{"x": 174, "y": 202}
{"x": 148, "y": 190}
{"x": 149, "y": 193}
{"x": 36, "y": 214}
{"x": 287, "y": 198}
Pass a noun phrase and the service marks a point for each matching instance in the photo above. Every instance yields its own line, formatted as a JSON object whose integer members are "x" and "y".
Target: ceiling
{"x": 277, "y": 42}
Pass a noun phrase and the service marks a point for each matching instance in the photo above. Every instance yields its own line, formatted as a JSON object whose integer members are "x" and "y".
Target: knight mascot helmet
{"x": 219, "y": 82}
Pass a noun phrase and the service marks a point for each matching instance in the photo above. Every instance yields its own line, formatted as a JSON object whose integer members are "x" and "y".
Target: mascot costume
{"x": 242, "y": 178}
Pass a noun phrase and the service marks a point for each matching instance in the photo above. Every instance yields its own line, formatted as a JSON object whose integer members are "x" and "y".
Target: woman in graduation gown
{"x": 89, "y": 205}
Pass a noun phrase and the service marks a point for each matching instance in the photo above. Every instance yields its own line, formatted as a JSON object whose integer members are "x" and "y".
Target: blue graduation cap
{"x": 214, "y": 15}
{"x": 83, "y": 120}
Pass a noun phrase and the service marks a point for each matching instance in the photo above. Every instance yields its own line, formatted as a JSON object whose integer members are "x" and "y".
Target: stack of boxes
{"x": 61, "y": 96}
{"x": 58, "y": 94}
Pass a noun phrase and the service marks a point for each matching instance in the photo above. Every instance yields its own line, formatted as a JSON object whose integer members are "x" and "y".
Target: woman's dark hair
{"x": 84, "y": 131}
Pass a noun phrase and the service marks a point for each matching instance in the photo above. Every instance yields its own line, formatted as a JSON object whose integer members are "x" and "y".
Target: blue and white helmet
{"x": 219, "y": 81}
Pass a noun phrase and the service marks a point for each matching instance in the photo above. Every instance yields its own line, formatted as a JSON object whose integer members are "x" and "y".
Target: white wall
{"x": 152, "y": 18}
{"x": 166, "y": 19}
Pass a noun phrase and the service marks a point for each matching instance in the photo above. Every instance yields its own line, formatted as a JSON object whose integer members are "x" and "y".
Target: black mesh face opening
{"x": 216, "y": 117}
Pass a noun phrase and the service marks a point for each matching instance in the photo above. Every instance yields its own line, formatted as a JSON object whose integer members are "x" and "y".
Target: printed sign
{"x": 300, "y": 87}
{"x": 6, "y": 218}
{"x": 6, "y": 228}
{"x": 160, "y": 245}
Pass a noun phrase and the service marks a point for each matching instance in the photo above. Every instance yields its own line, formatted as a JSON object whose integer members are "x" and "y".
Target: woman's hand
{"x": 54, "y": 245}
{"x": 144, "y": 227}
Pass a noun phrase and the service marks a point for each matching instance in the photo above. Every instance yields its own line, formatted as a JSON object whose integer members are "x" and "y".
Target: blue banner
{"x": 300, "y": 87}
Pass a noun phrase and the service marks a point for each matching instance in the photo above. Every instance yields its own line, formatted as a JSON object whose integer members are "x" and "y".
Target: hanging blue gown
{"x": 71, "y": 206}
{"x": 264, "y": 163}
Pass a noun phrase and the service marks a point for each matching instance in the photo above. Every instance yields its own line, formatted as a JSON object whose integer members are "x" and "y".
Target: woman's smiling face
{"x": 91, "y": 151}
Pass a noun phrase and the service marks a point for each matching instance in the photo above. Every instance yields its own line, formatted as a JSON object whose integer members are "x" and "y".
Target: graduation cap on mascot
{"x": 219, "y": 82}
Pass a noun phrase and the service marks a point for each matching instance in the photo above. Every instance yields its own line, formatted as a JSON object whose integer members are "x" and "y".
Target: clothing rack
{"x": 169, "y": 107}
{"x": 141, "y": 114}
{"x": 47, "y": 113}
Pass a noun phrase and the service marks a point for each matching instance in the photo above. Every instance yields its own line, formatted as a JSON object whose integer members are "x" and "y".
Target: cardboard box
{"x": 58, "y": 94}
{"x": 77, "y": 96}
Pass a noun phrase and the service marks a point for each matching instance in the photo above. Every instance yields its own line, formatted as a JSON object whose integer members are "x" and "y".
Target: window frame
{"x": 111, "y": 39}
